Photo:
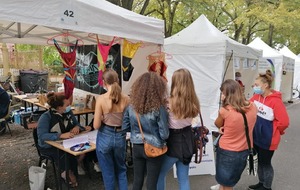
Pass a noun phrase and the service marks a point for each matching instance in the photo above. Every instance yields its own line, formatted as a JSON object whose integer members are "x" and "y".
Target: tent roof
{"x": 203, "y": 33}
{"x": 35, "y": 21}
{"x": 268, "y": 51}
{"x": 287, "y": 52}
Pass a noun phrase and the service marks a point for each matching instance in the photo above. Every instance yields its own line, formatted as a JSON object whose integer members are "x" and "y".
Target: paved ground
{"x": 18, "y": 154}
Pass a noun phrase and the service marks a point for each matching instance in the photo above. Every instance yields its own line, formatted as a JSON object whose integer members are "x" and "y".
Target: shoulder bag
{"x": 252, "y": 157}
{"x": 200, "y": 137}
{"x": 150, "y": 150}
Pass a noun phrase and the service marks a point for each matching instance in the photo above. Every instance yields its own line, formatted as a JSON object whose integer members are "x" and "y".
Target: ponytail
{"x": 115, "y": 93}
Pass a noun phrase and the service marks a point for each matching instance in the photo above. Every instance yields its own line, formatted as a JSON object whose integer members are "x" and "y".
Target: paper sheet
{"x": 76, "y": 140}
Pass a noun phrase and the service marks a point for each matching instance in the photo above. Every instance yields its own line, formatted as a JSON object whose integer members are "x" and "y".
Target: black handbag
{"x": 252, "y": 160}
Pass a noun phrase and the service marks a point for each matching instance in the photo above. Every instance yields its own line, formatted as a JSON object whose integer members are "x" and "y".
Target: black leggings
{"x": 143, "y": 165}
{"x": 265, "y": 168}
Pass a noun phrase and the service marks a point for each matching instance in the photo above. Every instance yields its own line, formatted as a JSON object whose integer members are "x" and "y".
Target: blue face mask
{"x": 257, "y": 90}
{"x": 68, "y": 109}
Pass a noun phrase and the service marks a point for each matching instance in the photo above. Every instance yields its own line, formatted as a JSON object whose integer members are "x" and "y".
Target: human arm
{"x": 281, "y": 118}
{"x": 219, "y": 122}
{"x": 98, "y": 113}
{"x": 126, "y": 120}
{"x": 162, "y": 121}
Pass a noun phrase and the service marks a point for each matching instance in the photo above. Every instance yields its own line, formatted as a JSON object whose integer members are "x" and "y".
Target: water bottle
{"x": 17, "y": 118}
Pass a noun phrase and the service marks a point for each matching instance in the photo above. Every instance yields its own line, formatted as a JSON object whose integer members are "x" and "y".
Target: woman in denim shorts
{"x": 231, "y": 157}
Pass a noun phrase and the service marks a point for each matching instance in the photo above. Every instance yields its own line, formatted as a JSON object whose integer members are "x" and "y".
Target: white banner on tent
{"x": 288, "y": 67}
{"x": 207, "y": 165}
{"x": 264, "y": 64}
{"x": 237, "y": 63}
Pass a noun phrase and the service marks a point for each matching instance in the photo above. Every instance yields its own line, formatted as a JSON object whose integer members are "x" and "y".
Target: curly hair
{"x": 148, "y": 93}
{"x": 184, "y": 102}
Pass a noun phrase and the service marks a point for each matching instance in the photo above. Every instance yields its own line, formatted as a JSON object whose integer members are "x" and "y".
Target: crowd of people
{"x": 166, "y": 119}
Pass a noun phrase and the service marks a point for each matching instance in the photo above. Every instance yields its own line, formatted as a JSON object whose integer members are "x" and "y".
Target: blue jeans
{"x": 111, "y": 152}
{"x": 182, "y": 173}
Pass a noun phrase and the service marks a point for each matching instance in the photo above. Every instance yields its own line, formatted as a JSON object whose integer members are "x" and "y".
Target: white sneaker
{"x": 215, "y": 187}
{"x": 96, "y": 168}
{"x": 80, "y": 170}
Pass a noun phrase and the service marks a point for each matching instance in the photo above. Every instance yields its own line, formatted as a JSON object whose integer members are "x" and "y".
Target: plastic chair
{"x": 7, "y": 119}
{"x": 44, "y": 157}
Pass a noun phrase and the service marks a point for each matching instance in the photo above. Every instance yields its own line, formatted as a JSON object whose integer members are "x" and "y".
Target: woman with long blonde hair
{"x": 183, "y": 107}
{"x": 111, "y": 139}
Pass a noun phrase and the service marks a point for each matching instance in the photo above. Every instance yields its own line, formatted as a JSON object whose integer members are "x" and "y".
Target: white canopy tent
{"x": 287, "y": 52}
{"x": 37, "y": 21}
{"x": 209, "y": 55}
{"x": 281, "y": 66}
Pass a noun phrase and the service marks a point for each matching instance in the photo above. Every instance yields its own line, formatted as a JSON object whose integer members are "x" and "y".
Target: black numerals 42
{"x": 69, "y": 13}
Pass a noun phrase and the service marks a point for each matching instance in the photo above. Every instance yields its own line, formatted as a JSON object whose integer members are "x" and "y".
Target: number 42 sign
{"x": 68, "y": 14}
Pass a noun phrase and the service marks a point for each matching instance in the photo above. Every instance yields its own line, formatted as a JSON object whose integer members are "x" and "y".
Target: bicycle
{"x": 296, "y": 92}
{"x": 7, "y": 85}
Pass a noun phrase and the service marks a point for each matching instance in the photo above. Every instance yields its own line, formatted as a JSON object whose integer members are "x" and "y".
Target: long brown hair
{"x": 233, "y": 95}
{"x": 184, "y": 102}
{"x": 111, "y": 78}
{"x": 148, "y": 93}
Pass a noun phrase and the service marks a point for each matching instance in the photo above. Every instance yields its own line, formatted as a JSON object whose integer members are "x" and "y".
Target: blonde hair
{"x": 148, "y": 93}
{"x": 184, "y": 102}
{"x": 266, "y": 78}
{"x": 233, "y": 95}
{"x": 111, "y": 78}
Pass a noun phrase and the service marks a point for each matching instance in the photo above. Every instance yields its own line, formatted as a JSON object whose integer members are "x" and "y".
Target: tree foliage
{"x": 275, "y": 21}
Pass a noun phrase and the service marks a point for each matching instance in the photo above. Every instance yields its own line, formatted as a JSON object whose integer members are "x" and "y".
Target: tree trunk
{"x": 270, "y": 35}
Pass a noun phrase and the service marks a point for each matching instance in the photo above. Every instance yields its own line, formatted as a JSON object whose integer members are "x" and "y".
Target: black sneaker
{"x": 256, "y": 186}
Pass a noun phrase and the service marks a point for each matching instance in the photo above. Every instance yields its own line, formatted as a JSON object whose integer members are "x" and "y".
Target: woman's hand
{"x": 75, "y": 130}
{"x": 67, "y": 135}
{"x": 88, "y": 128}
{"x": 221, "y": 130}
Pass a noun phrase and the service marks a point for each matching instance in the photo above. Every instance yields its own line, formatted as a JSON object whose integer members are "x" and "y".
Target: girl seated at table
{"x": 58, "y": 123}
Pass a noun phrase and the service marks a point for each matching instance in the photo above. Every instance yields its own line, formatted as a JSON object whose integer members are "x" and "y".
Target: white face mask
{"x": 68, "y": 109}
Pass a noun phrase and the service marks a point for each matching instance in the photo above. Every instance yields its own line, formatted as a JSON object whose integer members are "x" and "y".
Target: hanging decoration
{"x": 128, "y": 51}
{"x": 157, "y": 64}
{"x": 69, "y": 64}
{"x": 102, "y": 54}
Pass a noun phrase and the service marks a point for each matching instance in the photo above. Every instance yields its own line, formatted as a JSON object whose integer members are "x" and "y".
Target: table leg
{"x": 86, "y": 119}
{"x": 67, "y": 169}
{"x": 59, "y": 171}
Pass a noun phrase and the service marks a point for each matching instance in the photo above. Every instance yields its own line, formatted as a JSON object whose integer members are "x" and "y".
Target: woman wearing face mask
{"x": 55, "y": 124}
{"x": 272, "y": 120}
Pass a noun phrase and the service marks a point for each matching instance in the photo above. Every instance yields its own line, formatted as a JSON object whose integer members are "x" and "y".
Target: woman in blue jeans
{"x": 111, "y": 139}
{"x": 183, "y": 107}
{"x": 147, "y": 100}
